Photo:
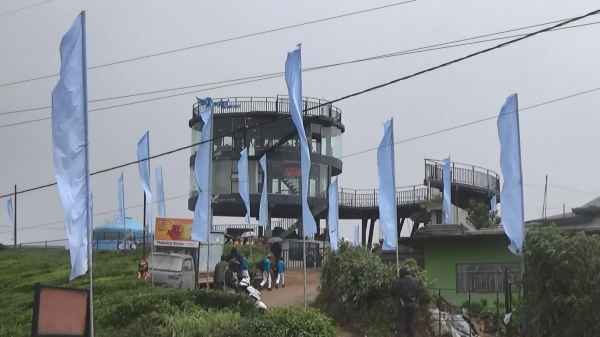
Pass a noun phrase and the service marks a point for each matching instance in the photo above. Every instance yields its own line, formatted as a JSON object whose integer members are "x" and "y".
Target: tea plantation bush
{"x": 562, "y": 283}
{"x": 356, "y": 289}
{"x": 126, "y": 307}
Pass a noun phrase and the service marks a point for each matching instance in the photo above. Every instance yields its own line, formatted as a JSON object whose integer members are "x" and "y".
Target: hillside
{"x": 125, "y": 306}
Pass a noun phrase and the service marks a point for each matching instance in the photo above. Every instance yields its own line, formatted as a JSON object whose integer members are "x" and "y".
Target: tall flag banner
{"x": 512, "y": 174}
{"x": 356, "y": 238}
{"x": 263, "y": 211}
{"x": 447, "y": 216}
{"x": 160, "y": 192}
{"x": 293, "y": 79}
{"x": 121, "y": 201}
{"x": 244, "y": 182}
{"x": 333, "y": 215}
{"x": 493, "y": 204}
{"x": 70, "y": 145}
{"x": 387, "y": 187}
{"x": 143, "y": 155}
{"x": 202, "y": 174}
{"x": 10, "y": 213}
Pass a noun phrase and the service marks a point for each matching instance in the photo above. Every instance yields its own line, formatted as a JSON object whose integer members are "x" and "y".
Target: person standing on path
{"x": 280, "y": 280}
{"x": 266, "y": 267}
{"x": 407, "y": 290}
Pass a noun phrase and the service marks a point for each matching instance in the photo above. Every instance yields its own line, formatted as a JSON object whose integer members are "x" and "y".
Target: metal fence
{"x": 497, "y": 304}
{"x": 315, "y": 256}
{"x": 314, "y": 107}
{"x": 361, "y": 198}
{"x": 463, "y": 174}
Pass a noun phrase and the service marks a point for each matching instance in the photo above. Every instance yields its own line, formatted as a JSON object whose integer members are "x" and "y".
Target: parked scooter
{"x": 253, "y": 293}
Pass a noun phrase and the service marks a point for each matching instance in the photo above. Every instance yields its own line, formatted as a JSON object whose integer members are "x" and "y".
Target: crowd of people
{"x": 236, "y": 267}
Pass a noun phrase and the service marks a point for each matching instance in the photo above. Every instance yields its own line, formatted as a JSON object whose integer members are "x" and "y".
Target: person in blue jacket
{"x": 266, "y": 267}
{"x": 280, "y": 280}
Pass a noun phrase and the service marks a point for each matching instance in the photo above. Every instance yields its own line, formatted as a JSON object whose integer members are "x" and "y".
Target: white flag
{"x": 202, "y": 174}
{"x": 10, "y": 214}
{"x": 387, "y": 187}
{"x": 244, "y": 183}
{"x": 447, "y": 216}
{"x": 511, "y": 195}
{"x": 293, "y": 79}
{"x": 160, "y": 192}
{"x": 70, "y": 145}
{"x": 121, "y": 201}
{"x": 333, "y": 215}
{"x": 263, "y": 212}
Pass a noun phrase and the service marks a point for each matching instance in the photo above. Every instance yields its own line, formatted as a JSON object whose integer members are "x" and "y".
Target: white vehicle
{"x": 172, "y": 270}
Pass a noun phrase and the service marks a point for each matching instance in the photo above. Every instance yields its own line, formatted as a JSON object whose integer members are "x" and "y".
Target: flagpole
{"x": 15, "y": 216}
{"x": 210, "y": 196}
{"x": 524, "y": 233}
{"x": 87, "y": 170}
{"x": 150, "y": 220}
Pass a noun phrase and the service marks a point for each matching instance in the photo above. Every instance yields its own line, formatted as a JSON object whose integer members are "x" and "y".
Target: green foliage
{"x": 126, "y": 307}
{"x": 289, "y": 322}
{"x": 357, "y": 289}
{"x": 561, "y": 280}
{"x": 478, "y": 214}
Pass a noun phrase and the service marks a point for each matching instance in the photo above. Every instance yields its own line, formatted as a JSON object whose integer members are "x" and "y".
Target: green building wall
{"x": 441, "y": 257}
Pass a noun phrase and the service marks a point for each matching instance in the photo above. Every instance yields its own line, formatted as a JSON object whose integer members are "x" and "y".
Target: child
{"x": 266, "y": 266}
{"x": 244, "y": 267}
{"x": 280, "y": 281}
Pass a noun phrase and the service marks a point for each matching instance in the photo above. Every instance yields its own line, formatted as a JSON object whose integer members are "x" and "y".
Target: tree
{"x": 479, "y": 215}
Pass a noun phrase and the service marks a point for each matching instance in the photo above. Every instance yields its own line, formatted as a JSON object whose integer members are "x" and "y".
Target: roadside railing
{"x": 313, "y": 107}
{"x": 361, "y": 198}
{"x": 463, "y": 174}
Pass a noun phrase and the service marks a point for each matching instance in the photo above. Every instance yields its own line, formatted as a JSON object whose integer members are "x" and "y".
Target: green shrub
{"x": 357, "y": 289}
{"x": 561, "y": 282}
{"x": 201, "y": 323}
{"x": 289, "y": 322}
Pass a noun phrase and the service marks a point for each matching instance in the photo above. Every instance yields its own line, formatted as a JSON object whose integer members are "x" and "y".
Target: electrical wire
{"x": 216, "y": 42}
{"x": 62, "y": 221}
{"x": 20, "y": 9}
{"x": 272, "y": 75}
{"x": 354, "y": 94}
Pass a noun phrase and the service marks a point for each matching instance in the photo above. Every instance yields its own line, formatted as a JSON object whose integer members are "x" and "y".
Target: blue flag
{"x": 510, "y": 163}
{"x": 447, "y": 216}
{"x": 333, "y": 215}
{"x": 493, "y": 203}
{"x": 121, "y": 201}
{"x": 143, "y": 153}
{"x": 10, "y": 215}
{"x": 356, "y": 238}
{"x": 70, "y": 145}
{"x": 263, "y": 212}
{"x": 293, "y": 79}
{"x": 243, "y": 182}
{"x": 160, "y": 192}
{"x": 387, "y": 187}
{"x": 202, "y": 174}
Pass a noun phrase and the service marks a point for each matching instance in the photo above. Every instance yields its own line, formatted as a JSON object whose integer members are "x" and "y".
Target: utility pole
{"x": 545, "y": 205}
{"x": 15, "y": 217}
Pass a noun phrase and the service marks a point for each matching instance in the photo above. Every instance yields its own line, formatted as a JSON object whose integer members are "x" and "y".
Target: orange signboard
{"x": 174, "y": 232}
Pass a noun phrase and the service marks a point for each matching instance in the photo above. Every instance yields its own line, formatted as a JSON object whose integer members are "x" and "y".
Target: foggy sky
{"x": 559, "y": 139}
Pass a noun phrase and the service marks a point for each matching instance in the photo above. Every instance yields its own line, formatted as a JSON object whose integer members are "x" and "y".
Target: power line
{"x": 474, "y": 122}
{"x": 216, "y": 42}
{"x": 272, "y": 75}
{"x": 20, "y": 9}
{"x": 357, "y": 93}
{"x": 61, "y": 222}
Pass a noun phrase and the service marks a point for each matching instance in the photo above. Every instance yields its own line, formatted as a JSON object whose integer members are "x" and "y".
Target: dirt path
{"x": 293, "y": 293}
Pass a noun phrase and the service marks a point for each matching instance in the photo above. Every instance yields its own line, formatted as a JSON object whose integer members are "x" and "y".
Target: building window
{"x": 485, "y": 277}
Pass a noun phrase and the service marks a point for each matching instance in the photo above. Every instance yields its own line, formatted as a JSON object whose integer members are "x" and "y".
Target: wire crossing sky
{"x": 361, "y": 92}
